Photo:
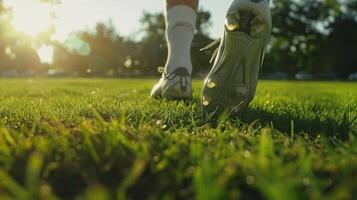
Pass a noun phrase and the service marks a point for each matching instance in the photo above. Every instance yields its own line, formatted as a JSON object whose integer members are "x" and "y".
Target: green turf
{"x": 106, "y": 139}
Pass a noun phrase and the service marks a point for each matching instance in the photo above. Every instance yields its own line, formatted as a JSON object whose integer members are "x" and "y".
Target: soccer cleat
{"x": 174, "y": 86}
{"x": 231, "y": 84}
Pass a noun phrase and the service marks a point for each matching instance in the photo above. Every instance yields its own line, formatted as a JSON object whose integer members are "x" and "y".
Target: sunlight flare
{"x": 45, "y": 52}
{"x": 30, "y": 17}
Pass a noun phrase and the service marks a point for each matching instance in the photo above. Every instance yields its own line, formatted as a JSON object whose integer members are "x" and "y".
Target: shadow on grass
{"x": 313, "y": 126}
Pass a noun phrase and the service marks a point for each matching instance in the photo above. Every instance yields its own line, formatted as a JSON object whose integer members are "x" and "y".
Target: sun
{"x": 30, "y": 17}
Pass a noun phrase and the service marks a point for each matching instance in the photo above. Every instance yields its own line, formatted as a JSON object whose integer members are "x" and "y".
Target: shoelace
{"x": 161, "y": 70}
{"x": 183, "y": 79}
{"x": 211, "y": 45}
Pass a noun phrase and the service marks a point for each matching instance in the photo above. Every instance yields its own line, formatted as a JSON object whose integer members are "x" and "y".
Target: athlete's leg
{"x": 191, "y": 3}
{"x": 180, "y": 19}
{"x": 180, "y": 25}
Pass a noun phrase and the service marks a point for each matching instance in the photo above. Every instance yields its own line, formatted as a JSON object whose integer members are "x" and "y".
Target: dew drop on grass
{"x": 306, "y": 181}
{"x": 247, "y": 154}
{"x": 330, "y": 182}
{"x": 156, "y": 158}
{"x": 250, "y": 180}
{"x": 45, "y": 190}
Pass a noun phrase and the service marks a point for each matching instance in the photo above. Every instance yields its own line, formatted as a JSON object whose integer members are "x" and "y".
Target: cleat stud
{"x": 205, "y": 103}
{"x": 211, "y": 84}
{"x": 232, "y": 27}
{"x": 232, "y": 21}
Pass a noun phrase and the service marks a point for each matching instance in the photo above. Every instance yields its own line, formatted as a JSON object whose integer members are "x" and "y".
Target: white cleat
{"x": 231, "y": 84}
{"x": 174, "y": 86}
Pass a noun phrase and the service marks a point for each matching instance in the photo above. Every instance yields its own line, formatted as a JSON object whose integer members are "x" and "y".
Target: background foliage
{"x": 318, "y": 36}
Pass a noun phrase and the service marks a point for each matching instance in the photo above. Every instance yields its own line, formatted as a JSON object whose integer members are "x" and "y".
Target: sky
{"x": 32, "y": 17}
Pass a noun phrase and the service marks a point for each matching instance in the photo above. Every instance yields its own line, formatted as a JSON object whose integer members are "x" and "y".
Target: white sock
{"x": 180, "y": 28}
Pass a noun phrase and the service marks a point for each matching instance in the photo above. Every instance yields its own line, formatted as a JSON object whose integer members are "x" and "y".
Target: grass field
{"x": 106, "y": 139}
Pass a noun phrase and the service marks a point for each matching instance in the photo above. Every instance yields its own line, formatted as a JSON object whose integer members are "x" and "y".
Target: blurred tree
{"x": 27, "y": 61}
{"x": 153, "y": 45}
{"x": 200, "y": 59}
{"x": 45, "y": 36}
{"x": 105, "y": 56}
{"x": 295, "y": 38}
{"x": 17, "y": 51}
{"x": 341, "y": 46}
{"x": 6, "y": 55}
{"x": 102, "y": 52}
{"x": 308, "y": 35}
